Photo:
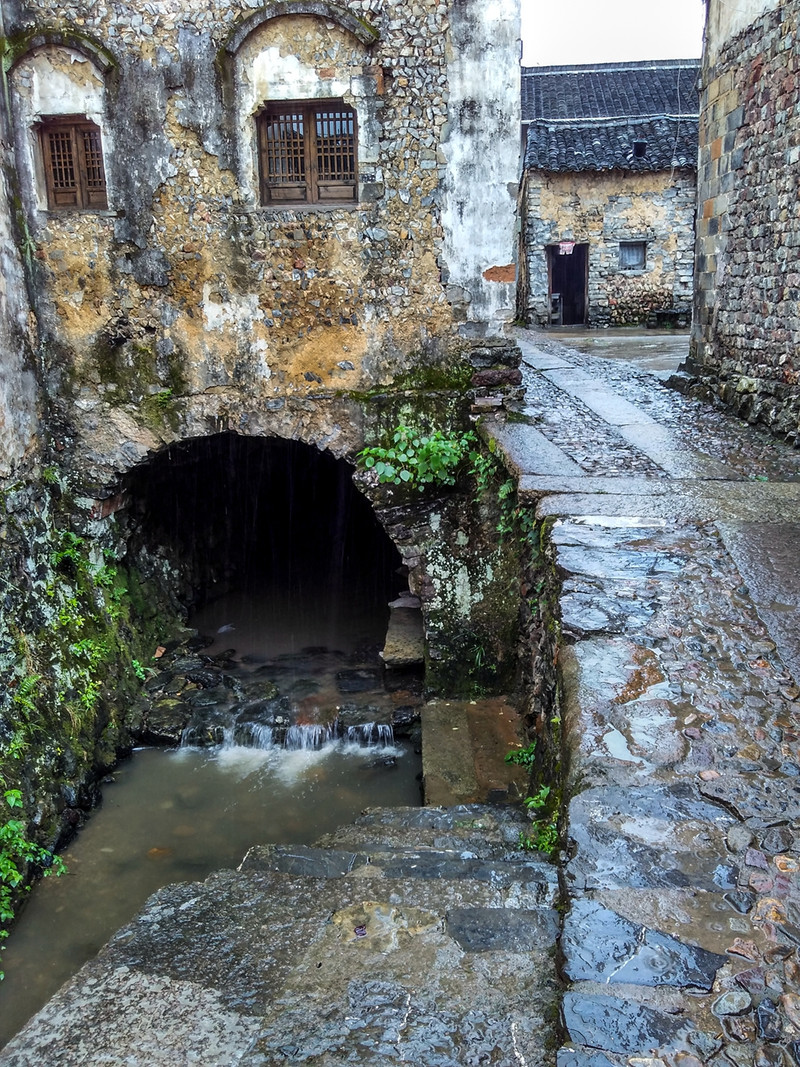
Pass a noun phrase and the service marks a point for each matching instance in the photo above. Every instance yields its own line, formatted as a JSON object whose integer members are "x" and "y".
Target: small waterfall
{"x": 261, "y": 736}
{"x": 369, "y": 734}
{"x": 310, "y": 737}
{"x": 285, "y": 737}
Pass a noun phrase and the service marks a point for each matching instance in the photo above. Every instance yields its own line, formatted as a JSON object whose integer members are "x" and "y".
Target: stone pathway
{"x": 426, "y": 935}
{"x": 674, "y": 531}
{"x": 417, "y": 935}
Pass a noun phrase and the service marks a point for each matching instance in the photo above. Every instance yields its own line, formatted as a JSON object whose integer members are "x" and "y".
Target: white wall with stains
{"x": 481, "y": 149}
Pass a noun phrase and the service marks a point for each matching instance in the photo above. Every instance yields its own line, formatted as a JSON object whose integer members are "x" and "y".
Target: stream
{"x": 173, "y": 815}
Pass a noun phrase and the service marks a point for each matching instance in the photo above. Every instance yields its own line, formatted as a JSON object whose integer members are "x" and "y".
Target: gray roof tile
{"x": 587, "y": 117}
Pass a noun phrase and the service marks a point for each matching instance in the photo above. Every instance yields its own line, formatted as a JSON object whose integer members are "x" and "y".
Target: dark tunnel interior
{"x": 267, "y": 514}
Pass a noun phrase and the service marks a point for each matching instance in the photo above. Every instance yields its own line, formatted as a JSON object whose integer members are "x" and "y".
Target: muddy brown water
{"x": 178, "y": 815}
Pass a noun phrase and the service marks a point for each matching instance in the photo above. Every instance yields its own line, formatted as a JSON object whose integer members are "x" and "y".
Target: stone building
{"x": 238, "y": 237}
{"x": 747, "y": 323}
{"x": 243, "y": 207}
{"x": 608, "y": 194}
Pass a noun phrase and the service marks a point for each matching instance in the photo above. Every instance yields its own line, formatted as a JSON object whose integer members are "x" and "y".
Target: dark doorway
{"x": 568, "y": 272}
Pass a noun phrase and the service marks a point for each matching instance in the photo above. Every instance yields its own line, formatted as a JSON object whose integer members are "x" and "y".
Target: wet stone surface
{"x": 295, "y": 700}
{"x": 330, "y": 955}
{"x": 425, "y": 935}
{"x": 682, "y": 935}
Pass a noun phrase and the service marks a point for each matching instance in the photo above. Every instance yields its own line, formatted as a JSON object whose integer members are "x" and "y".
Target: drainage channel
{"x": 297, "y": 738}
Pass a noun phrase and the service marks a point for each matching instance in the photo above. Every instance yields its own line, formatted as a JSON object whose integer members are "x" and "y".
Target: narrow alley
{"x": 676, "y": 533}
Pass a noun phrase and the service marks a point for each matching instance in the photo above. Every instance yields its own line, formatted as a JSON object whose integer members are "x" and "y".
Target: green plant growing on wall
{"x": 524, "y": 757}
{"x": 17, "y": 852}
{"x": 543, "y": 837}
{"x": 417, "y": 459}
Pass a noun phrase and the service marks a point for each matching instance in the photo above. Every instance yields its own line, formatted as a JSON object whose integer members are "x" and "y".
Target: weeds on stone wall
{"x": 418, "y": 460}
{"x": 20, "y": 858}
{"x": 70, "y": 641}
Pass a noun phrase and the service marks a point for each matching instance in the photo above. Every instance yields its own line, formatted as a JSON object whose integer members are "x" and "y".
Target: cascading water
{"x": 299, "y": 736}
{"x": 274, "y": 711}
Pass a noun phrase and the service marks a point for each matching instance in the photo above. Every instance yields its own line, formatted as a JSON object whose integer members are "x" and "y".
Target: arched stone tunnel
{"x": 276, "y": 516}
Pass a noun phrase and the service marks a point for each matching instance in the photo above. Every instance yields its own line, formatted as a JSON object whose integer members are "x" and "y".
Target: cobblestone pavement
{"x": 675, "y": 530}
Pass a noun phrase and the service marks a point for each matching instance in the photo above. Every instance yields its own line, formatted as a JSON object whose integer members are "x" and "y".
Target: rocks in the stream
{"x": 203, "y": 700}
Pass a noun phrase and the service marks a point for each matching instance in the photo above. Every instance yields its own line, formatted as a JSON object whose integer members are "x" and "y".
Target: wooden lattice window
{"x": 307, "y": 153}
{"x": 72, "y": 152}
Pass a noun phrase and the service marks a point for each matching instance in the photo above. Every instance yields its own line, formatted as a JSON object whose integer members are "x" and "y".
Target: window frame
{"x": 641, "y": 263}
{"x": 88, "y": 190}
{"x": 306, "y": 154}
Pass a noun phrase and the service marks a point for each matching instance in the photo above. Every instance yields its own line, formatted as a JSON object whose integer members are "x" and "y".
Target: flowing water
{"x": 177, "y": 815}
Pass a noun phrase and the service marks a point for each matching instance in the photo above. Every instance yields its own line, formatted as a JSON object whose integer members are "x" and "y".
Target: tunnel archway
{"x": 267, "y": 514}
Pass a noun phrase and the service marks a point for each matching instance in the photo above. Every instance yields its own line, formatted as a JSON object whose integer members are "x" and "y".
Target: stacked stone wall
{"x": 603, "y": 209}
{"x": 747, "y": 316}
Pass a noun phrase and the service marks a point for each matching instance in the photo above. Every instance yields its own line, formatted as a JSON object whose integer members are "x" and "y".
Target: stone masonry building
{"x": 747, "y": 324}
{"x": 251, "y": 210}
{"x": 235, "y": 229}
{"x": 609, "y": 193}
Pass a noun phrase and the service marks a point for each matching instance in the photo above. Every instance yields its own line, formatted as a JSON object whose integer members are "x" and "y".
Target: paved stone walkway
{"x": 675, "y": 531}
{"x": 426, "y": 936}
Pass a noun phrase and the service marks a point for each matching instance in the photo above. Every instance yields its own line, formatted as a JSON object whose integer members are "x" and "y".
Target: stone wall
{"x": 18, "y": 388}
{"x": 747, "y": 324}
{"x": 186, "y": 288}
{"x": 602, "y": 209}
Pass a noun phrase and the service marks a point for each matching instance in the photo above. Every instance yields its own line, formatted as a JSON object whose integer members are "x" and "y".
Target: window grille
{"x": 307, "y": 153}
{"x": 633, "y": 255}
{"x": 72, "y": 153}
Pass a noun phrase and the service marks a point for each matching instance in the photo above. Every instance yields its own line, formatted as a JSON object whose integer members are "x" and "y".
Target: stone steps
{"x": 483, "y": 830}
{"x": 433, "y": 945}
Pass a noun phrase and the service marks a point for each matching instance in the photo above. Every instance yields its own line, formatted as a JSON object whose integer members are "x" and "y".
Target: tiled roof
{"x": 610, "y": 91}
{"x": 609, "y": 145}
{"x": 587, "y": 117}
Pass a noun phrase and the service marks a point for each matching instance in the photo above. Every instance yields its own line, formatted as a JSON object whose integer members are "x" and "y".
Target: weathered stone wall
{"x": 18, "y": 388}
{"x": 604, "y": 208}
{"x": 747, "y": 323}
{"x": 185, "y": 308}
{"x": 230, "y": 313}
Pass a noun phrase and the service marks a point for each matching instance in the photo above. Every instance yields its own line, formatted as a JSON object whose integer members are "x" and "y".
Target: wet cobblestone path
{"x": 676, "y": 532}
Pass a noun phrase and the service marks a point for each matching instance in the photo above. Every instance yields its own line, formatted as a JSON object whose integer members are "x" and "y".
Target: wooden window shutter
{"x": 307, "y": 153}
{"x": 72, "y": 154}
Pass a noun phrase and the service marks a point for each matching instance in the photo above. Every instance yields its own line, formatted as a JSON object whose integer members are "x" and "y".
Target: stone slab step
{"x": 483, "y": 831}
{"x": 535, "y": 878}
{"x": 405, "y": 635}
{"x": 464, "y": 745}
{"x": 263, "y": 968}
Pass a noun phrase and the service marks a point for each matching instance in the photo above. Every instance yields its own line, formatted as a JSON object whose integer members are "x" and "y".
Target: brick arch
{"x": 360, "y": 29}
{"x": 95, "y": 51}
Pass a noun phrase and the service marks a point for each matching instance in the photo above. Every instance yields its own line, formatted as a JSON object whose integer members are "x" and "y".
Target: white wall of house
{"x": 481, "y": 148}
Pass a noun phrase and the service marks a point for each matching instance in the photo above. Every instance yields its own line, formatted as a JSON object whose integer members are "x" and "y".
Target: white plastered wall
{"x": 726, "y": 18}
{"x": 481, "y": 150}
